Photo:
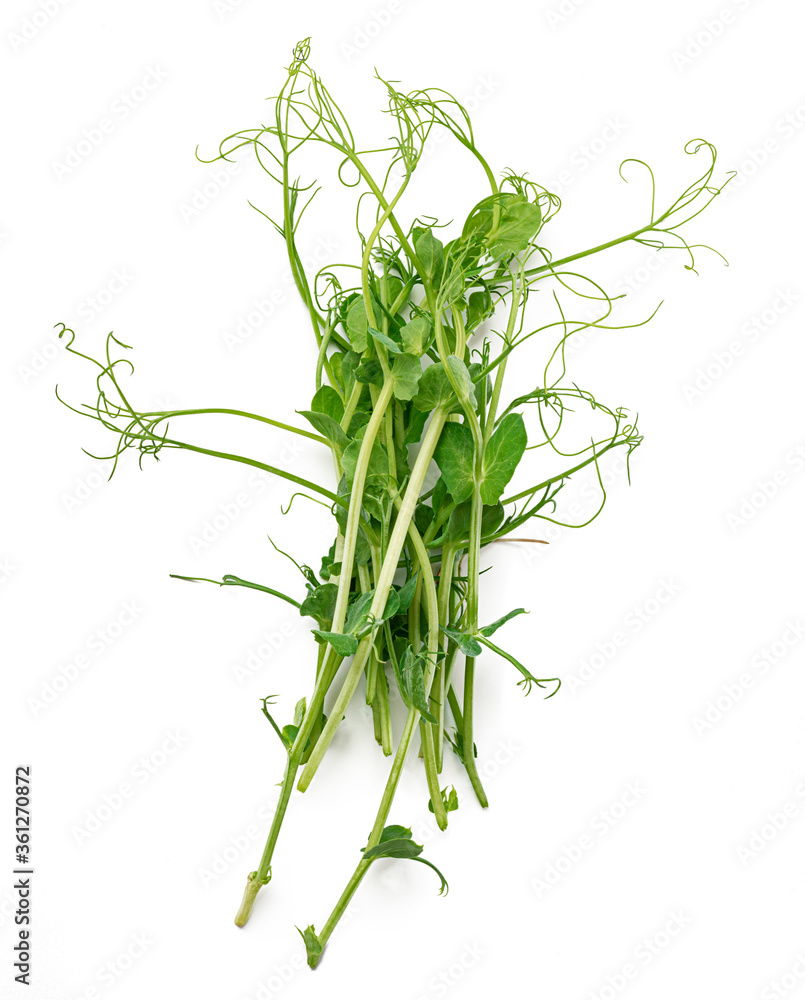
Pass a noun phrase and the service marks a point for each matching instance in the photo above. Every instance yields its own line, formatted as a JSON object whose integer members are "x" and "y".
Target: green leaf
{"x": 439, "y": 496}
{"x": 430, "y": 252}
{"x": 406, "y": 849}
{"x": 449, "y": 800}
{"x": 503, "y": 453}
{"x": 412, "y": 671}
{"x": 455, "y": 456}
{"x": 363, "y": 552}
{"x": 434, "y": 389}
{"x": 370, "y": 372}
{"x": 406, "y": 593}
{"x": 378, "y": 461}
{"x": 423, "y": 516}
{"x": 387, "y": 342}
{"x": 479, "y": 306}
{"x": 326, "y": 425}
{"x": 312, "y": 945}
{"x": 349, "y": 363}
{"x": 360, "y": 418}
{"x": 392, "y": 605}
{"x": 390, "y": 288}
{"x": 416, "y": 335}
{"x": 229, "y": 580}
{"x": 416, "y": 424}
{"x": 376, "y": 499}
{"x": 394, "y": 832}
{"x": 357, "y": 611}
{"x": 466, "y": 389}
{"x": 289, "y": 734}
{"x": 320, "y": 604}
{"x": 468, "y": 645}
{"x": 327, "y": 401}
{"x": 458, "y": 527}
{"x": 402, "y": 847}
{"x": 488, "y": 630}
{"x": 344, "y": 645}
{"x": 358, "y": 326}
{"x": 519, "y": 221}
{"x": 407, "y": 371}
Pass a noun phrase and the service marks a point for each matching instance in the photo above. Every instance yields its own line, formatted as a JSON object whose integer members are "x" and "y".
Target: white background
{"x": 575, "y": 88}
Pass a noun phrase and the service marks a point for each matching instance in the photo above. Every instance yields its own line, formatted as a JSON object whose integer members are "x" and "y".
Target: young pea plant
{"x": 411, "y": 344}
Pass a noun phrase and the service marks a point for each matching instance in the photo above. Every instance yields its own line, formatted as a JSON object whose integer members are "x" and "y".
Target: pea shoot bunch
{"x": 412, "y": 343}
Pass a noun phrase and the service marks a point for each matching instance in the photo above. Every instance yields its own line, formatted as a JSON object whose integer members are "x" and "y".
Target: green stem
{"x": 471, "y": 626}
{"x": 385, "y": 579}
{"x": 169, "y": 414}
{"x": 564, "y": 475}
{"x": 445, "y": 585}
{"x": 308, "y": 725}
{"x": 355, "y": 504}
{"x": 381, "y": 700}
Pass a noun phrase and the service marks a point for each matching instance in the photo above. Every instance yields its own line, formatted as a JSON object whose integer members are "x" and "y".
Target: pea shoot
{"x": 409, "y": 351}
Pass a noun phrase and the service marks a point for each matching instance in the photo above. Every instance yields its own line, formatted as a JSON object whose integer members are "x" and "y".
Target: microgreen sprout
{"x": 409, "y": 353}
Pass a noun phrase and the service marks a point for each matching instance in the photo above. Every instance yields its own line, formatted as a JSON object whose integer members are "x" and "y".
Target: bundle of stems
{"x": 409, "y": 386}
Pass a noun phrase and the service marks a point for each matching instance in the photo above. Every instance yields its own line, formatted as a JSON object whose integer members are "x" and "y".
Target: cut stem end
{"x": 253, "y": 886}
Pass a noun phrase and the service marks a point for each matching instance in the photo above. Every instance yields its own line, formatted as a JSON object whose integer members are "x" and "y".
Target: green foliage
{"x": 343, "y": 643}
{"x": 455, "y": 456}
{"x": 313, "y": 947}
{"x": 502, "y": 456}
{"x": 396, "y": 842}
{"x": 410, "y": 343}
